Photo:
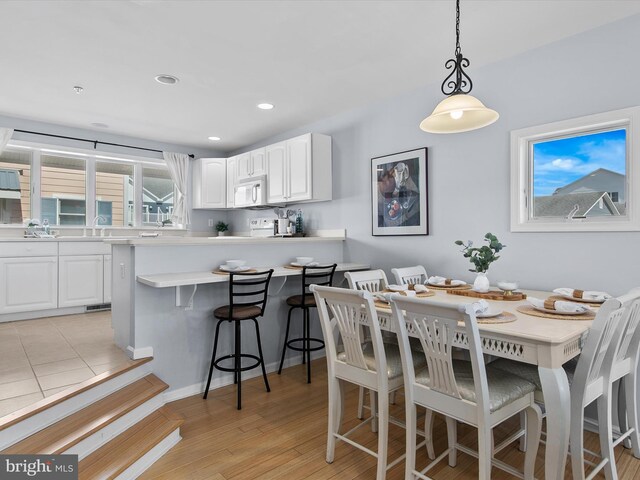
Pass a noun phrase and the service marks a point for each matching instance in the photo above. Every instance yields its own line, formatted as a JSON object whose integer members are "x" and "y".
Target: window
{"x": 158, "y": 192}
{"x": 15, "y": 187}
{"x": 576, "y": 175}
{"x": 115, "y": 194}
{"x": 63, "y": 183}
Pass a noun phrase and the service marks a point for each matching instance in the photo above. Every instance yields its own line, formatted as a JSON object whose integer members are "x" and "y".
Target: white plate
{"x": 445, "y": 285}
{"x": 489, "y": 314}
{"x": 557, "y": 312}
{"x": 226, "y": 268}
{"x": 398, "y": 288}
{"x": 581, "y": 300}
{"x": 310, "y": 264}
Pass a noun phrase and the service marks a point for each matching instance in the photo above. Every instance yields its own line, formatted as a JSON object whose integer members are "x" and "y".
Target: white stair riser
{"x": 55, "y": 413}
{"x": 102, "y": 436}
{"x": 149, "y": 458}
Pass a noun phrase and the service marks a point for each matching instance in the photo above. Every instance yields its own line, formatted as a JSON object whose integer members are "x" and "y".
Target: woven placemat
{"x": 578, "y": 300}
{"x": 292, "y": 267}
{"x": 380, "y": 304}
{"x": 418, "y": 295}
{"x": 449, "y": 287}
{"x": 222, "y": 272}
{"x": 504, "y": 317}
{"x": 529, "y": 310}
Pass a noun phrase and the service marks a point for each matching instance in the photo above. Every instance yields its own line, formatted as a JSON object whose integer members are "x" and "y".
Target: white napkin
{"x": 586, "y": 295}
{"x": 398, "y": 288}
{"x": 420, "y": 288}
{"x": 310, "y": 264}
{"x": 569, "y": 307}
{"x": 435, "y": 280}
{"x": 480, "y": 307}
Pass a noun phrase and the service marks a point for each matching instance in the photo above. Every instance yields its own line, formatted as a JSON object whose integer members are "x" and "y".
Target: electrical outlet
{"x": 211, "y": 222}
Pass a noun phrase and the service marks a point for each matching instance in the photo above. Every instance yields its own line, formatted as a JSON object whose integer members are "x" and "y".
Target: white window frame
{"x": 90, "y": 157}
{"x": 522, "y": 173}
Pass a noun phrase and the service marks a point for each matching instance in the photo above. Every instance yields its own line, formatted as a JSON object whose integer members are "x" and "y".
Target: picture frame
{"x": 399, "y": 194}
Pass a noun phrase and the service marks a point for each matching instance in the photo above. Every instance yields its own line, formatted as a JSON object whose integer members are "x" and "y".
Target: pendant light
{"x": 459, "y": 112}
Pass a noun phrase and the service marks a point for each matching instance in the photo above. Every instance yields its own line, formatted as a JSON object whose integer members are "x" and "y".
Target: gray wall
{"x": 469, "y": 172}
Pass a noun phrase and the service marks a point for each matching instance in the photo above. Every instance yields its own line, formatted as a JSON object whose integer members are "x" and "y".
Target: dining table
{"x": 546, "y": 342}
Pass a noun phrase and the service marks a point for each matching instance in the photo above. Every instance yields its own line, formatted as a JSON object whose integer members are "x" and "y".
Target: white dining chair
{"x": 469, "y": 392}
{"x": 371, "y": 364}
{"x": 589, "y": 379}
{"x": 407, "y": 275}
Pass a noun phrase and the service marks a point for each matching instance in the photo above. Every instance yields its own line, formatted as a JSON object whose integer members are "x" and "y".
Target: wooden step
{"x": 49, "y": 402}
{"x": 123, "y": 451}
{"x": 71, "y": 430}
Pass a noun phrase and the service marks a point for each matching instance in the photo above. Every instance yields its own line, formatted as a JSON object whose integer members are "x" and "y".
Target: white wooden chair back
{"x": 598, "y": 353}
{"x": 341, "y": 312}
{"x": 630, "y": 342}
{"x": 407, "y": 275}
{"x": 369, "y": 280}
{"x": 435, "y": 323}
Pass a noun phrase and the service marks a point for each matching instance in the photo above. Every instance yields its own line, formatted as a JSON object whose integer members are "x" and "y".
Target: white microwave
{"x": 250, "y": 193}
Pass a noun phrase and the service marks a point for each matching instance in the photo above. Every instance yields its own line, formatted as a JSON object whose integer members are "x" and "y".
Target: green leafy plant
{"x": 483, "y": 256}
{"x": 222, "y": 227}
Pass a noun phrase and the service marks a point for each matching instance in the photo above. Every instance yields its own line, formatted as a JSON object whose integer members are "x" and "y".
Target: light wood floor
{"x": 282, "y": 435}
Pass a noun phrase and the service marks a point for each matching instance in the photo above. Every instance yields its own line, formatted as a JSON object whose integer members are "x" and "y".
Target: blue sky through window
{"x": 557, "y": 163}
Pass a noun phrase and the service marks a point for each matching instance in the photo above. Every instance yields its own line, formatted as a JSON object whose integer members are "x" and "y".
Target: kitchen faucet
{"x": 95, "y": 221}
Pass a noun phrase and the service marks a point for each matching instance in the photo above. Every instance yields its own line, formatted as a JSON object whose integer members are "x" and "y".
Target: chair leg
{"x": 286, "y": 339}
{"x": 428, "y": 433}
{"x": 360, "y": 403}
{"x": 213, "y": 359}
{"x": 452, "y": 437}
{"x": 485, "y": 453}
{"x": 392, "y": 398}
{"x": 605, "y": 430}
{"x": 411, "y": 441}
{"x": 238, "y": 363}
{"x": 383, "y": 434}
{"x": 264, "y": 370}
{"x": 305, "y": 333}
{"x": 631, "y": 396}
{"x": 623, "y": 423}
{"x": 335, "y": 416}
{"x": 533, "y": 420}
{"x": 307, "y": 344}
{"x": 523, "y": 426}
{"x": 373, "y": 399}
{"x": 576, "y": 443}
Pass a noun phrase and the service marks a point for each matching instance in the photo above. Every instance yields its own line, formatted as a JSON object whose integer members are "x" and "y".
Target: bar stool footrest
{"x": 290, "y": 344}
{"x": 241, "y": 369}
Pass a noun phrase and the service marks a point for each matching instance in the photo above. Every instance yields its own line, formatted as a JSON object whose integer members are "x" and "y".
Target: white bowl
{"x": 507, "y": 286}
{"x": 236, "y": 263}
{"x": 304, "y": 260}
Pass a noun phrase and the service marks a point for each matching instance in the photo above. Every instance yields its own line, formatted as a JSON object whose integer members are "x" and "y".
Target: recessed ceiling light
{"x": 167, "y": 79}
{"x": 214, "y": 139}
{"x": 99, "y": 125}
{"x": 265, "y": 106}
{"x": 78, "y": 89}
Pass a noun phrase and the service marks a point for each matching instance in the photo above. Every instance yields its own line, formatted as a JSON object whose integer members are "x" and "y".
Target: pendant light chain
{"x": 458, "y": 51}
{"x": 457, "y": 81}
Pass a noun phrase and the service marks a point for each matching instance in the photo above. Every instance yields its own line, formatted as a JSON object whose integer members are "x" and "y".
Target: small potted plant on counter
{"x": 481, "y": 258}
{"x": 222, "y": 229}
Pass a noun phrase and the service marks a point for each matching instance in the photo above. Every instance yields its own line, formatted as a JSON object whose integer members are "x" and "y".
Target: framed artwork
{"x": 399, "y": 194}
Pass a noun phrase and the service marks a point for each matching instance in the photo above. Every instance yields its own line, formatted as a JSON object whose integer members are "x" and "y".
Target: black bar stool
{"x": 247, "y": 301}
{"x": 319, "y": 275}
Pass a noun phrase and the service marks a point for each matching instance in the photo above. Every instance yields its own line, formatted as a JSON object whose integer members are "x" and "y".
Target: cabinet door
{"x": 107, "y": 279}
{"x": 214, "y": 182}
{"x": 80, "y": 280}
{"x": 299, "y": 163}
{"x": 258, "y": 162}
{"x": 276, "y": 173}
{"x": 28, "y": 283}
{"x": 231, "y": 180}
{"x": 243, "y": 167}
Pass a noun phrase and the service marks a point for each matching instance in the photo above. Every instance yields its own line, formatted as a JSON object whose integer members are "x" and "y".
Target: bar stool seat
{"x": 297, "y": 301}
{"x": 239, "y": 313}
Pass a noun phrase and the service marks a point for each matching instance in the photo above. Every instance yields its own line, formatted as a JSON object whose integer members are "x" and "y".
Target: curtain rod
{"x": 95, "y": 142}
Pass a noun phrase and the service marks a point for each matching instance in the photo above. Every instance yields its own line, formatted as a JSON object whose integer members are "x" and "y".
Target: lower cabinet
{"x": 28, "y": 284}
{"x": 107, "y": 279}
{"x": 80, "y": 280}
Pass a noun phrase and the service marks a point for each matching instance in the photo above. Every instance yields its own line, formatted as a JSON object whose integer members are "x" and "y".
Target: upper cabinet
{"x": 299, "y": 170}
{"x": 250, "y": 164}
{"x": 210, "y": 183}
{"x": 231, "y": 176}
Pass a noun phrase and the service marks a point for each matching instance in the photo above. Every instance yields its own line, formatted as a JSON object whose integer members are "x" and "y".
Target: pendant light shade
{"x": 459, "y": 113}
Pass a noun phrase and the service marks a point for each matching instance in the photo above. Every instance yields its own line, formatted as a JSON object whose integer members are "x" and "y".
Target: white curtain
{"x": 178, "y": 164}
{"x": 5, "y": 136}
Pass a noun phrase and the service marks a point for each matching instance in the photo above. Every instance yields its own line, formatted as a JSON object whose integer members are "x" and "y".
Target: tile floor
{"x": 44, "y": 356}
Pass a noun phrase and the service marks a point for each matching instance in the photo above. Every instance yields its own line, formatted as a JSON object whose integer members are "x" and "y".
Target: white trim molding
{"x": 522, "y": 173}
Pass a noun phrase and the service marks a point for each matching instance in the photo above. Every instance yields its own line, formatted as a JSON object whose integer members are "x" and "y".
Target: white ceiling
{"x": 312, "y": 59}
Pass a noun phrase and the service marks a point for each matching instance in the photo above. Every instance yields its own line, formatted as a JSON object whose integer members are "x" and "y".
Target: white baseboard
{"x": 138, "y": 353}
{"x": 227, "y": 379}
{"x": 52, "y": 312}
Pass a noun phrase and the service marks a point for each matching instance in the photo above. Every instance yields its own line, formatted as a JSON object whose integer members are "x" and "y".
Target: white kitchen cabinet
{"x": 107, "y": 279}
{"x": 210, "y": 183}
{"x": 231, "y": 178}
{"x": 276, "y": 157}
{"x": 28, "y": 283}
{"x": 299, "y": 170}
{"x": 80, "y": 280}
{"x": 250, "y": 165}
